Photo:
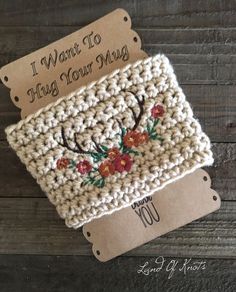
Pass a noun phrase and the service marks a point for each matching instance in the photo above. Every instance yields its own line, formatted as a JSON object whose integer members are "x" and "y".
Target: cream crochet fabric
{"x": 112, "y": 142}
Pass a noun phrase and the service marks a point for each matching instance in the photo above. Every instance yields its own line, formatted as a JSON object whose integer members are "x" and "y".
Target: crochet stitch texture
{"x": 112, "y": 142}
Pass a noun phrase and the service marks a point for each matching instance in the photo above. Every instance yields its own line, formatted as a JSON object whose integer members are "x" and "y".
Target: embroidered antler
{"x": 97, "y": 147}
{"x": 141, "y": 104}
{"x": 79, "y": 149}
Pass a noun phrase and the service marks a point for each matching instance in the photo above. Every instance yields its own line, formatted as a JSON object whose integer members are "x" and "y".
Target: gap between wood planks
{"x": 151, "y": 13}
{"x": 75, "y": 273}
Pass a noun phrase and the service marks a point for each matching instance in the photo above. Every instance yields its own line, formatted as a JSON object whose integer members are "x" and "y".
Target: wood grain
{"x": 73, "y": 274}
{"x": 158, "y": 13}
{"x": 199, "y": 37}
{"x": 193, "y": 40}
{"x": 32, "y": 226}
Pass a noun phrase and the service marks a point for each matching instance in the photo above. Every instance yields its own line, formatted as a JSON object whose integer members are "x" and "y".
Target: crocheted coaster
{"x": 112, "y": 142}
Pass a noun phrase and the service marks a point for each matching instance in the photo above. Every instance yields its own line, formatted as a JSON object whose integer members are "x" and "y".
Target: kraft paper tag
{"x": 86, "y": 55}
{"x": 177, "y": 204}
{"x": 75, "y": 60}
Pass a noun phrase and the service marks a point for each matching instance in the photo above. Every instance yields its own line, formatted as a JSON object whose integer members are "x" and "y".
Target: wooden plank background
{"x": 37, "y": 252}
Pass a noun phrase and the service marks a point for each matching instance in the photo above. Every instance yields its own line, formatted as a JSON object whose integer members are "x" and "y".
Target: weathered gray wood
{"x": 144, "y": 13}
{"x": 188, "y": 49}
{"x": 213, "y": 105}
{"x": 15, "y": 180}
{"x": 197, "y": 40}
{"x": 222, "y": 173}
{"x": 86, "y": 274}
{"x": 32, "y": 226}
{"x": 199, "y": 37}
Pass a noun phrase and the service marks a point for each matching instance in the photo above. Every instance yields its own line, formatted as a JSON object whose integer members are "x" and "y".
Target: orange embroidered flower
{"x": 113, "y": 152}
{"x": 131, "y": 139}
{"x": 106, "y": 168}
{"x": 157, "y": 111}
{"x": 62, "y": 163}
{"x": 123, "y": 163}
{"x": 84, "y": 167}
{"x": 142, "y": 138}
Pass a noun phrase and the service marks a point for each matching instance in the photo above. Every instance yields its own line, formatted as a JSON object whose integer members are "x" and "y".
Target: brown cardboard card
{"x": 75, "y": 60}
{"x": 177, "y": 204}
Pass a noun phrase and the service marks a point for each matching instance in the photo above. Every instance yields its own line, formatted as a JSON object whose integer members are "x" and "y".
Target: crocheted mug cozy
{"x": 112, "y": 142}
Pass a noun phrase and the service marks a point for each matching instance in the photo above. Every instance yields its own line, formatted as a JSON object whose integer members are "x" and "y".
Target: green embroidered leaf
{"x": 123, "y": 132}
{"x": 155, "y": 122}
{"x": 104, "y": 148}
{"x": 91, "y": 179}
{"x": 72, "y": 163}
{"x": 97, "y": 182}
{"x": 133, "y": 152}
{"x": 125, "y": 149}
{"x": 130, "y": 150}
{"x": 121, "y": 146}
{"x": 98, "y": 156}
{"x": 95, "y": 159}
{"x": 84, "y": 183}
{"x": 151, "y": 129}
{"x": 156, "y": 137}
{"x": 100, "y": 182}
{"x": 148, "y": 128}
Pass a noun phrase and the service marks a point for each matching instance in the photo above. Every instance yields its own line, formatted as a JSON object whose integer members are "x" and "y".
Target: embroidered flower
{"x": 106, "y": 168}
{"x": 84, "y": 167}
{"x": 123, "y": 163}
{"x": 131, "y": 139}
{"x": 113, "y": 153}
{"x": 62, "y": 163}
{"x": 142, "y": 138}
{"x": 157, "y": 111}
